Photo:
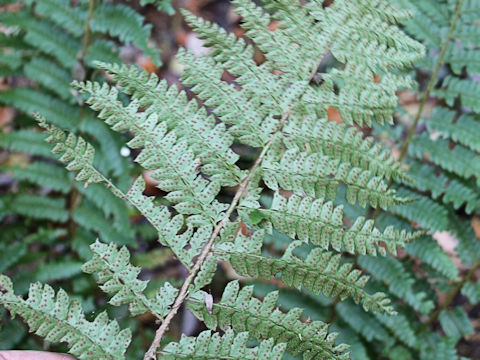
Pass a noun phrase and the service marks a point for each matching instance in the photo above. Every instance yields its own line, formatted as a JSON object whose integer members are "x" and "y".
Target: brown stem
{"x": 87, "y": 31}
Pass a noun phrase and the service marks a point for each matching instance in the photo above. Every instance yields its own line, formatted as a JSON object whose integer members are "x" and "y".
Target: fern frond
{"x": 63, "y": 14}
{"x": 319, "y": 176}
{"x": 320, "y": 272}
{"x": 464, "y": 131}
{"x": 242, "y": 312}
{"x": 466, "y": 58}
{"x": 342, "y": 143}
{"x": 30, "y": 101}
{"x": 45, "y": 175}
{"x": 398, "y": 279}
{"x": 208, "y": 141}
{"x": 40, "y": 207}
{"x": 75, "y": 152}
{"x": 119, "y": 277}
{"x": 215, "y": 346}
{"x": 125, "y": 23}
{"x": 455, "y": 323}
{"x": 322, "y": 224}
{"x": 430, "y": 252}
{"x": 28, "y": 141}
{"x": 466, "y": 90}
{"x": 459, "y": 160}
{"x": 59, "y": 319}
{"x": 48, "y": 74}
{"x": 472, "y": 292}
{"x": 455, "y": 190}
{"x": 91, "y": 218}
{"x": 45, "y": 36}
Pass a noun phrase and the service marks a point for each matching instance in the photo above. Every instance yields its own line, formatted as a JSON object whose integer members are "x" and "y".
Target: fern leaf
{"x": 215, "y": 346}
{"x": 48, "y": 74}
{"x": 118, "y": 277}
{"x": 424, "y": 211}
{"x": 77, "y": 154}
{"x": 430, "y": 252}
{"x": 91, "y": 218}
{"x": 459, "y": 160}
{"x": 343, "y": 143}
{"x": 466, "y": 90}
{"x": 472, "y": 292}
{"x": 208, "y": 141}
{"x": 60, "y": 319}
{"x": 320, "y": 223}
{"x": 30, "y": 101}
{"x": 63, "y": 14}
{"x": 399, "y": 281}
{"x": 45, "y": 36}
{"x": 45, "y": 175}
{"x": 40, "y": 207}
{"x": 468, "y": 246}
{"x": 319, "y": 176}
{"x": 27, "y": 141}
{"x": 126, "y": 24}
{"x": 464, "y": 131}
{"x": 455, "y": 323}
{"x": 320, "y": 272}
{"x": 239, "y": 310}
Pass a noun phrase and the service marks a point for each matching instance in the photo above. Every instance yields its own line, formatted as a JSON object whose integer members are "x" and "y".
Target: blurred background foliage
{"x": 48, "y": 220}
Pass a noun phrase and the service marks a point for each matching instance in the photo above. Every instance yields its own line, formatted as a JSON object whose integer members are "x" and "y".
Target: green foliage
{"x": 59, "y": 319}
{"x": 44, "y": 45}
{"x": 216, "y": 346}
{"x": 297, "y": 218}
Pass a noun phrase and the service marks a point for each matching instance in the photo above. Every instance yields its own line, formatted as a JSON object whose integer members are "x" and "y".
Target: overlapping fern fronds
{"x": 270, "y": 107}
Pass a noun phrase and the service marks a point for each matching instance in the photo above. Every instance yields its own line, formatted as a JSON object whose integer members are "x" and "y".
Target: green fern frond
{"x": 472, "y": 292}
{"x": 125, "y": 23}
{"x": 455, "y": 190}
{"x": 45, "y": 175}
{"x": 398, "y": 279}
{"x": 466, "y": 58}
{"x": 343, "y": 143}
{"x": 46, "y": 36}
{"x": 322, "y": 224}
{"x": 40, "y": 207}
{"x": 466, "y": 90}
{"x": 118, "y": 276}
{"x": 242, "y": 312}
{"x": 31, "y": 101}
{"x": 465, "y": 130}
{"x": 48, "y": 74}
{"x": 430, "y": 252}
{"x": 459, "y": 160}
{"x": 424, "y": 211}
{"x": 28, "y": 141}
{"x": 320, "y": 272}
{"x": 63, "y": 14}
{"x": 205, "y": 139}
{"x": 319, "y": 176}
{"x": 215, "y": 346}
{"x": 59, "y": 319}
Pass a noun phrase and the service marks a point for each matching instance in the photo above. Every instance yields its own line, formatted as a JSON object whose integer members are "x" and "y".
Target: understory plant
{"x": 330, "y": 199}
{"x": 47, "y": 219}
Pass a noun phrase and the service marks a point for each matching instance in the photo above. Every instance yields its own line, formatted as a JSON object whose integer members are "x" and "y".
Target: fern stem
{"x": 451, "y": 295}
{"x": 432, "y": 81}
{"x": 87, "y": 31}
{"x": 150, "y": 354}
